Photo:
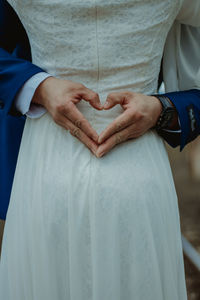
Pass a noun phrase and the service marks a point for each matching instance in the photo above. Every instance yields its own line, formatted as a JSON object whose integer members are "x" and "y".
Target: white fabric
{"x": 78, "y": 227}
{"x": 25, "y": 95}
{"x": 182, "y": 50}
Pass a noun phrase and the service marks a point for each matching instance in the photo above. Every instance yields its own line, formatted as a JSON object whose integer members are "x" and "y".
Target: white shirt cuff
{"x": 24, "y": 97}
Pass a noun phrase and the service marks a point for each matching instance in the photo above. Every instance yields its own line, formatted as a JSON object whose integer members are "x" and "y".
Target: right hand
{"x": 59, "y": 97}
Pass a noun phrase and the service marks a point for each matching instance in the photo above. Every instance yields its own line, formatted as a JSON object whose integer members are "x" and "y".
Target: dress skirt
{"x": 85, "y": 228}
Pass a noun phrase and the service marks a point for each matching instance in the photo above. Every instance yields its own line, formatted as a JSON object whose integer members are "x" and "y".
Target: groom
{"x": 26, "y": 89}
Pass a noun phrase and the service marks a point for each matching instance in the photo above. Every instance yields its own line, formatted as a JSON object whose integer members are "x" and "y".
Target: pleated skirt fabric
{"x": 85, "y": 228}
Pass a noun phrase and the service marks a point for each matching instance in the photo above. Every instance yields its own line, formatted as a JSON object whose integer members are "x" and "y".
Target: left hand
{"x": 141, "y": 113}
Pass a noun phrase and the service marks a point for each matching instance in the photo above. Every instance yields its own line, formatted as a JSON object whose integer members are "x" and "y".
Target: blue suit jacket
{"x": 16, "y": 68}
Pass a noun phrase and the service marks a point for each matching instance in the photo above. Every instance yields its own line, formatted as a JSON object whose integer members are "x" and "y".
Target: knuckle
{"x": 79, "y": 123}
{"x": 92, "y": 96}
{"x": 95, "y": 95}
{"x": 76, "y": 132}
{"x": 128, "y": 133}
{"x": 120, "y": 125}
{"x": 111, "y": 96}
{"x": 130, "y": 113}
{"x": 89, "y": 145}
{"x": 67, "y": 108}
{"x": 118, "y": 138}
{"x": 138, "y": 116}
{"x": 58, "y": 121}
{"x": 60, "y": 108}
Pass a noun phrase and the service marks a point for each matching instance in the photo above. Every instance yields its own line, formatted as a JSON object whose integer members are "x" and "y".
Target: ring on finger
{"x": 78, "y": 123}
{"x": 76, "y": 132}
{"x": 118, "y": 138}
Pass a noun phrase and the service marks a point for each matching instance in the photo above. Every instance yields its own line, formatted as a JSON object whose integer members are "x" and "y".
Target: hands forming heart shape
{"x": 60, "y": 97}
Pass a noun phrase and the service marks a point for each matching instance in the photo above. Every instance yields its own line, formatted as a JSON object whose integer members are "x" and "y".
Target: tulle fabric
{"x": 84, "y": 228}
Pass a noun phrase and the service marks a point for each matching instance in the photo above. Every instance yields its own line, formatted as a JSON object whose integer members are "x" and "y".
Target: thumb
{"x": 92, "y": 98}
{"x": 112, "y": 100}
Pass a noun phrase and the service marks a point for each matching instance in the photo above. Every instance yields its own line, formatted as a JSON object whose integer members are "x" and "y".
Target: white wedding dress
{"x": 79, "y": 227}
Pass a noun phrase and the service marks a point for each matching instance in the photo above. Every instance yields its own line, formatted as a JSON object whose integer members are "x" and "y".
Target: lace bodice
{"x": 107, "y": 45}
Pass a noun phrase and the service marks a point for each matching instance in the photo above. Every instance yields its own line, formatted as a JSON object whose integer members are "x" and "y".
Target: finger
{"x": 111, "y": 142}
{"x": 115, "y": 139}
{"x": 72, "y": 113}
{"x": 121, "y": 122}
{"x": 77, "y": 132}
{"x": 113, "y": 99}
{"x": 92, "y": 98}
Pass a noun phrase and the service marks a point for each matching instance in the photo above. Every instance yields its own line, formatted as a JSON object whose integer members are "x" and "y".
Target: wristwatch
{"x": 167, "y": 114}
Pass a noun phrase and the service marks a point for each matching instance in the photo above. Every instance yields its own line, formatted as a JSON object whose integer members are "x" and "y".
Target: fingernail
{"x": 99, "y": 141}
{"x": 94, "y": 151}
{"x": 95, "y": 138}
{"x": 106, "y": 104}
{"x": 98, "y": 105}
{"x": 101, "y": 154}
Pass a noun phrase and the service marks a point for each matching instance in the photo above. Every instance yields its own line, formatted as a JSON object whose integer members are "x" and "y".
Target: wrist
{"x": 39, "y": 95}
{"x": 168, "y": 118}
{"x": 174, "y": 125}
{"x": 157, "y": 109}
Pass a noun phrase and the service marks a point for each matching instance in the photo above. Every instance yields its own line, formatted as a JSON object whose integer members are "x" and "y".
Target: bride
{"x": 93, "y": 212}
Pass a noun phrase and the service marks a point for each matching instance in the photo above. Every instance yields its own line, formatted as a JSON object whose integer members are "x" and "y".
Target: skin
{"x": 60, "y": 97}
{"x": 140, "y": 114}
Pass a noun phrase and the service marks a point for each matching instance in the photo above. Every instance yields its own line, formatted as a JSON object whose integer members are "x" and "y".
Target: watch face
{"x": 167, "y": 117}
{"x": 167, "y": 113}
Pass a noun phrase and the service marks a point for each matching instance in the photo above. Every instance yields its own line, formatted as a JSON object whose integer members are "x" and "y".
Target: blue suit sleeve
{"x": 15, "y": 59}
{"x": 187, "y": 104}
{"x": 15, "y": 69}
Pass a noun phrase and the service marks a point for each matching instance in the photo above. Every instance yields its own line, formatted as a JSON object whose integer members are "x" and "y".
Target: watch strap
{"x": 164, "y": 120}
